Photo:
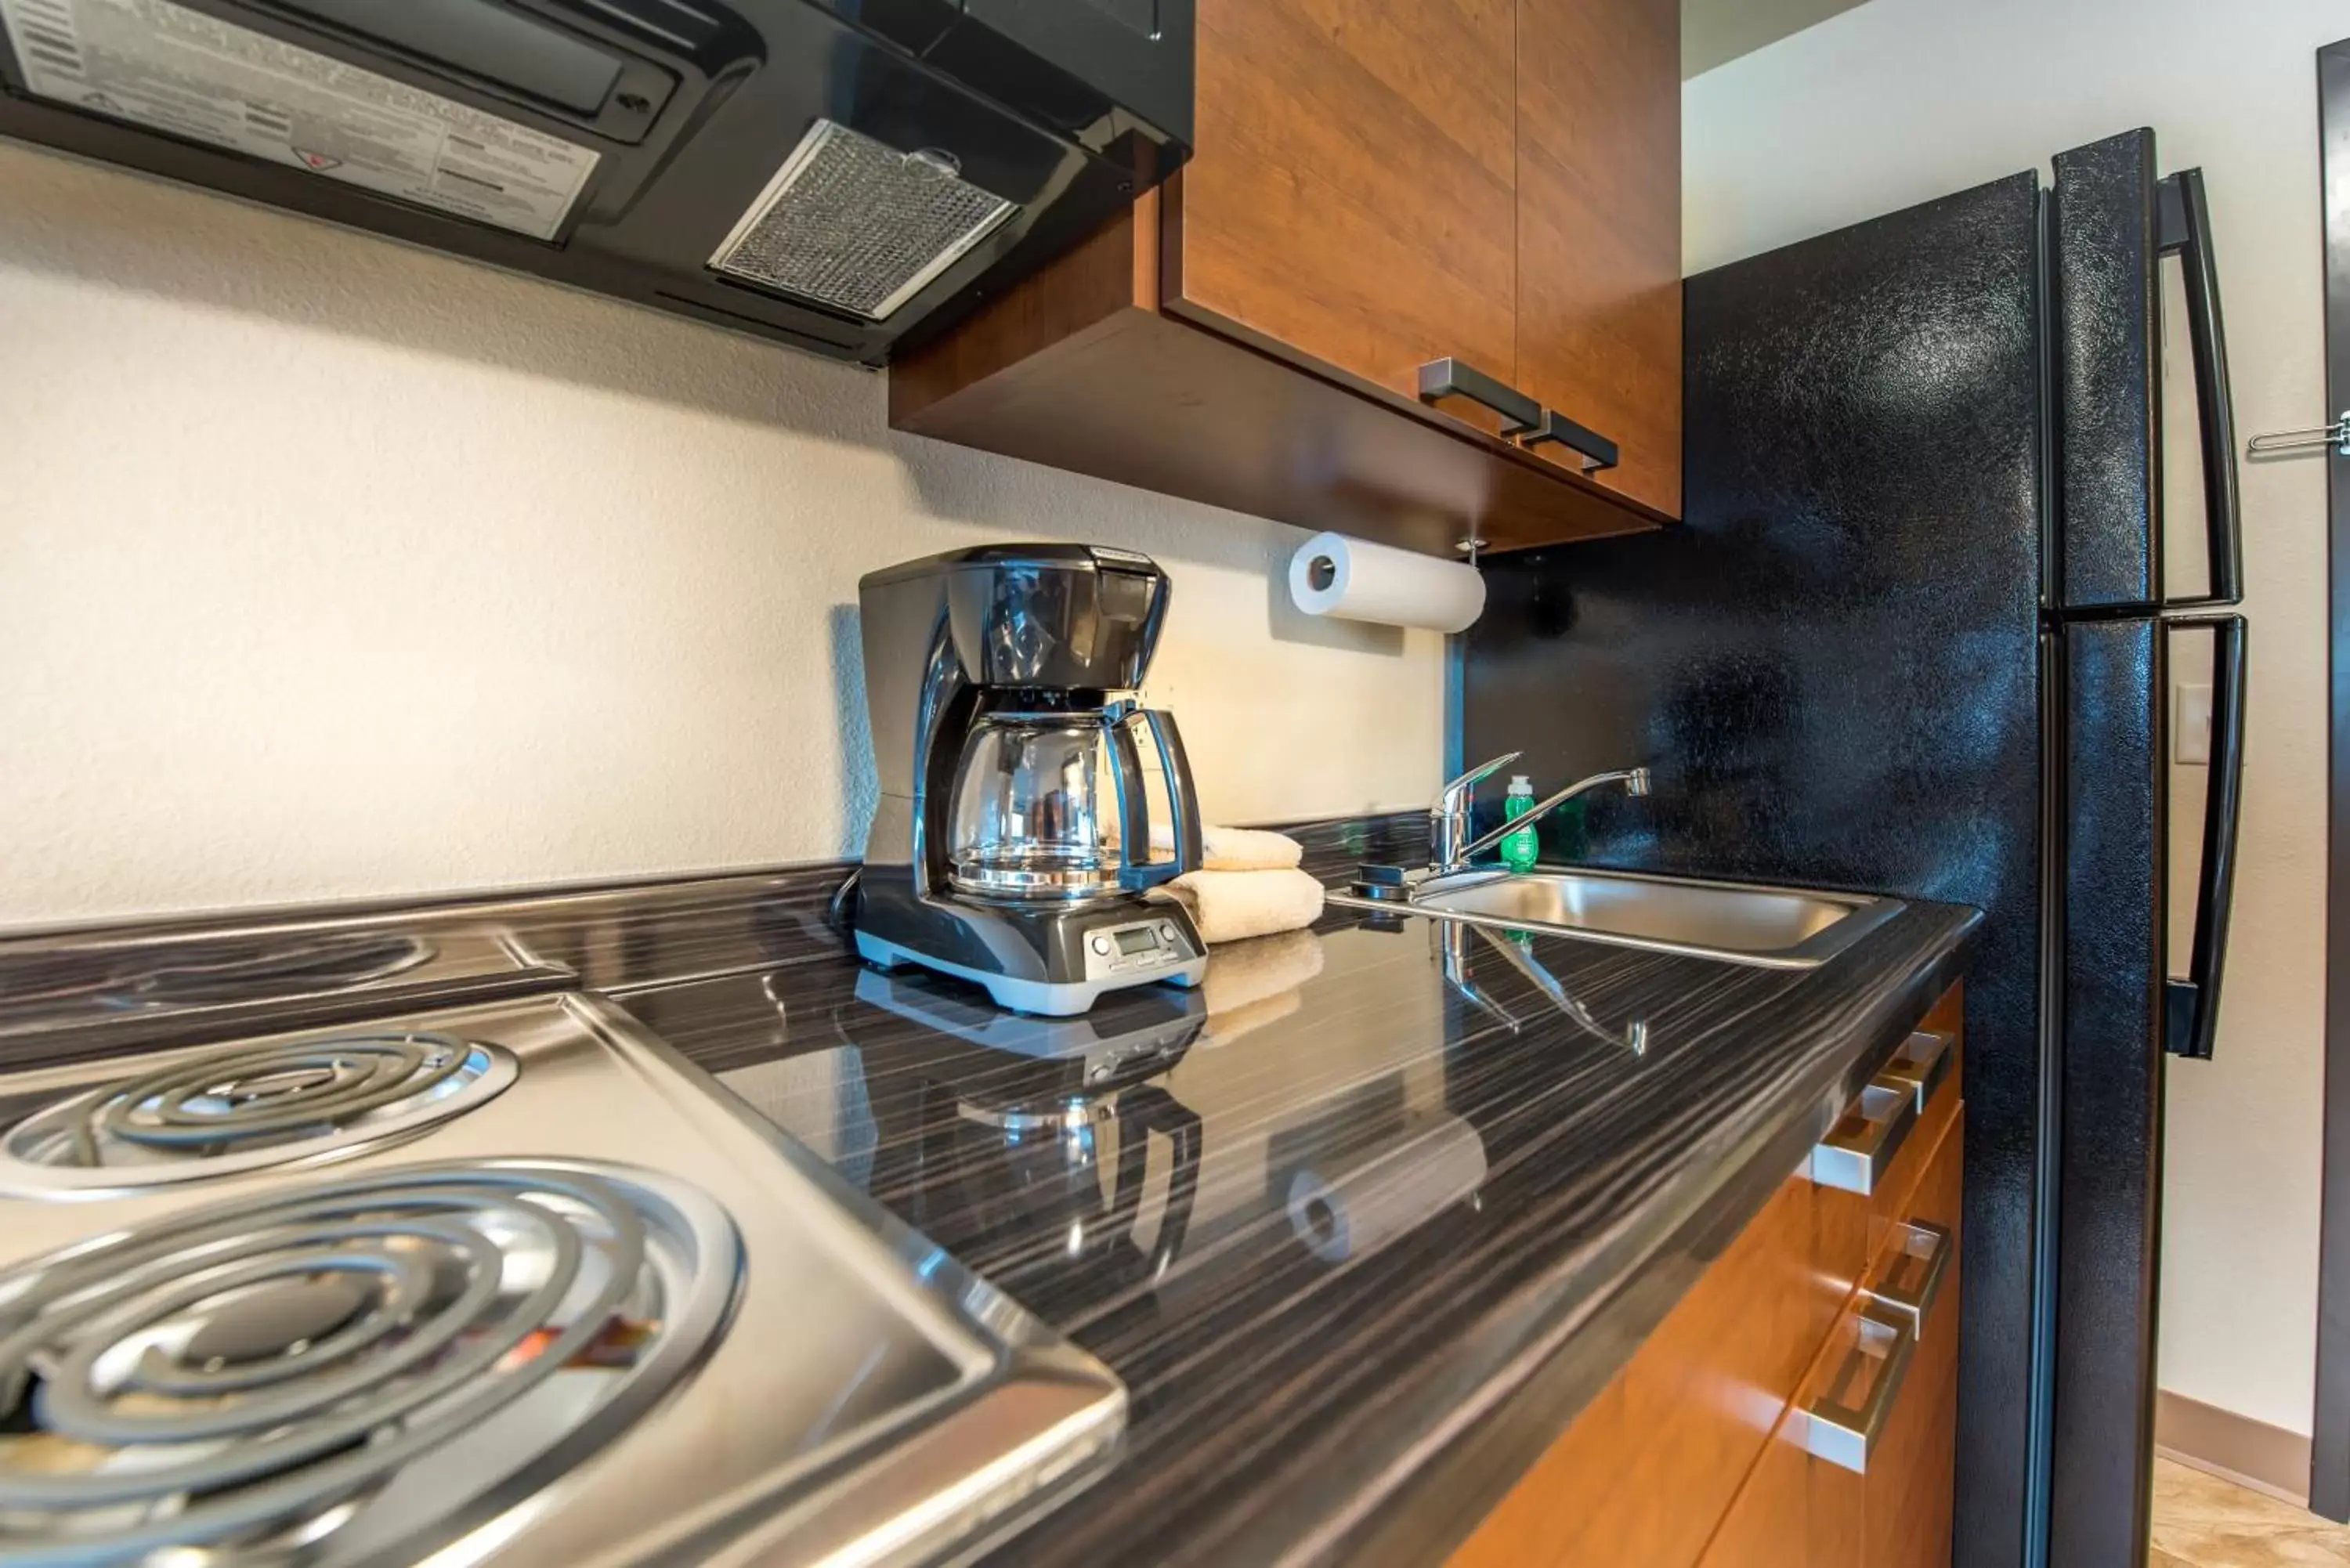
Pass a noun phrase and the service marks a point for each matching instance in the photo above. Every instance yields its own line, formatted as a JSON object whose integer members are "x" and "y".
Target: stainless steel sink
{"x": 1776, "y": 928}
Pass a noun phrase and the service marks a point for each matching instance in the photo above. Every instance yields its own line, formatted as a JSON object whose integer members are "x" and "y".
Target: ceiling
{"x": 1714, "y": 32}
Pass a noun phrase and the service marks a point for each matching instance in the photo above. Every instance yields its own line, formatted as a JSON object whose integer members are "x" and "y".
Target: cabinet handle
{"x": 1913, "y": 1277}
{"x": 1859, "y": 1150}
{"x": 1842, "y": 1429}
{"x": 1922, "y": 1063}
{"x": 1595, "y": 450}
{"x": 1441, "y": 379}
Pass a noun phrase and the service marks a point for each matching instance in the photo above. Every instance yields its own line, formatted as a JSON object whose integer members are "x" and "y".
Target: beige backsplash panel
{"x": 330, "y": 568}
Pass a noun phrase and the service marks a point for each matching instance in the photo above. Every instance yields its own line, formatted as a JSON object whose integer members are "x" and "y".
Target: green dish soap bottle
{"x": 1519, "y": 849}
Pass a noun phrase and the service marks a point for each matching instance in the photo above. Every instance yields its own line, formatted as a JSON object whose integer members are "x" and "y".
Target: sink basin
{"x": 1777, "y": 928}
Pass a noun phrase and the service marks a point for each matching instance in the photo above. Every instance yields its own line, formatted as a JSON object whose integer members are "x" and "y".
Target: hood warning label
{"x": 169, "y": 68}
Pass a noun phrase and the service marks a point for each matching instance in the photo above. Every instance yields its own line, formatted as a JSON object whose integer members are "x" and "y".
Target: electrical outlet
{"x": 2190, "y": 725}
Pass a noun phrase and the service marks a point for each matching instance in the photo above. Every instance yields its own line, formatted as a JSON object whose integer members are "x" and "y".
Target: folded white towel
{"x": 1235, "y": 848}
{"x": 1247, "y": 849}
{"x": 1227, "y": 906}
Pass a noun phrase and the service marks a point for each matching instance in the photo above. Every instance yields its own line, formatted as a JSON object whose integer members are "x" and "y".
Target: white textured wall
{"x": 1905, "y": 99}
{"x": 330, "y": 568}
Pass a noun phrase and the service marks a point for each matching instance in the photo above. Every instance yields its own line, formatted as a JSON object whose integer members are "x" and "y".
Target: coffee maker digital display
{"x": 1013, "y": 840}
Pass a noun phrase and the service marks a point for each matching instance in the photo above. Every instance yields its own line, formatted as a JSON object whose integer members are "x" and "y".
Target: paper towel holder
{"x": 1470, "y": 545}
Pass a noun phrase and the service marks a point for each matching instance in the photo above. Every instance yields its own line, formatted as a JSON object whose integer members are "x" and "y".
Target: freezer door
{"x": 2135, "y": 299}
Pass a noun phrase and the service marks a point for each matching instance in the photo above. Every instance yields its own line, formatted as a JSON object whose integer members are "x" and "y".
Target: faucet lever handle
{"x": 1475, "y": 777}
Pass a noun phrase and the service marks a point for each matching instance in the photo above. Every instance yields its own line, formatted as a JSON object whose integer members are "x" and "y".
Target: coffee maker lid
{"x": 1043, "y": 554}
{"x": 1071, "y": 617}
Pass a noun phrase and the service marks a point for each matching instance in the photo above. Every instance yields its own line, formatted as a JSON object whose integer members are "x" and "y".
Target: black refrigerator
{"x": 1915, "y": 636}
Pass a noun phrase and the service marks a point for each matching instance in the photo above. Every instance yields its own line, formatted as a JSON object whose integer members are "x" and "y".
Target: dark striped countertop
{"x": 1361, "y": 1225}
{"x": 1362, "y": 1234}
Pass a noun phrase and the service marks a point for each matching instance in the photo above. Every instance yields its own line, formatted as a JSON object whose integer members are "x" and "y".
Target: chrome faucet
{"x": 1449, "y": 848}
{"x": 1449, "y": 817}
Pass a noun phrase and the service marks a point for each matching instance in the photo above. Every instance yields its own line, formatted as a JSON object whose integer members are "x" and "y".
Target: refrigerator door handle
{"x": 2185, "y": 222}
{"x": 2191, "y": 1007}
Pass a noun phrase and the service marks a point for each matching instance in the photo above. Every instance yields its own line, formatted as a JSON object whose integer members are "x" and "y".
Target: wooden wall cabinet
{"x": 1376, "y": 187}
{"x": 1701, "y": 1451}
{"x": 1599, "y": 256}
{"x": 1352, "y": 201}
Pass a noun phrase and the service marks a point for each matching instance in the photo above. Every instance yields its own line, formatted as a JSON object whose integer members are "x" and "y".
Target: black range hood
{"x": 840, "y": 174}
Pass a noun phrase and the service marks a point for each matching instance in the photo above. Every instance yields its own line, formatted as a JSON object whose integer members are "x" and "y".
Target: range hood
{"x": 840, "y": 174}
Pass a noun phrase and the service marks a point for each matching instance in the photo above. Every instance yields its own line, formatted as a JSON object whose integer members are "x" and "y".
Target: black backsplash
{"x": 1832, "y": 668}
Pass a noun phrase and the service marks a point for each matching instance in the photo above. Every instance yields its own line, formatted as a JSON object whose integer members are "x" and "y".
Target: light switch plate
{"x": 2190, "y": 725}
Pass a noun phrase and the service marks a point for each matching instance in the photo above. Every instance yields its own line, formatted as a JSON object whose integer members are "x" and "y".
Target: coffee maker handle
{"x": 1137, "y": 871}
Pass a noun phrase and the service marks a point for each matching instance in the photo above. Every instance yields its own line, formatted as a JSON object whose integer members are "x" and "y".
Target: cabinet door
{"x": 1794, "y": 1510}
{"x": 1599, "y": 231}
{"x": 1912, "y": 1472}
{"x": 1353, "y": 200}
{"x": 1645, "y": 1471}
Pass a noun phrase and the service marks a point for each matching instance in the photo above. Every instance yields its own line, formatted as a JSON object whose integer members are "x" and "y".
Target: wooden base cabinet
{"x": 1798, "y": 1407}
{"x": 1801, "y": 1508}
{"x": 1377, "y": 190}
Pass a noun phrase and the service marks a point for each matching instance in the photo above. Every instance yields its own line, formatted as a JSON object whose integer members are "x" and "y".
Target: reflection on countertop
{"x": 1359, "y": 1188}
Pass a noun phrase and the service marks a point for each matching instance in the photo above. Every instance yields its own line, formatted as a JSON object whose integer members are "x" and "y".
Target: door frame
{"x": 2329, "y": 1448}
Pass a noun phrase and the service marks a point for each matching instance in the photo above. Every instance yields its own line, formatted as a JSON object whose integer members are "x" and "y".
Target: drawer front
{"x": 1860, "y": 1472}
{"x": 1894, "y": 1201}
{"x": 1854, "y": 1230}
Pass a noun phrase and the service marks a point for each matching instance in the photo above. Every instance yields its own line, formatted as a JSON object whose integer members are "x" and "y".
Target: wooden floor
{"x": 2202, "y": 1521}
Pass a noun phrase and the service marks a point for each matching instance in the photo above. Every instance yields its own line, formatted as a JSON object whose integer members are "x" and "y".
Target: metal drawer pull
{"x": 1913, "y": 1276}
{"x": 1842, "y": 1428}
{"x": 1859, "y": 1150}
{"x": 1595, "y": 450}
{"x": 1922, "y": 1063}
{"x": 1452, "y": 379}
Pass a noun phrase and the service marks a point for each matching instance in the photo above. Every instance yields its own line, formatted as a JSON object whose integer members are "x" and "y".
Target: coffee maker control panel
{"x": 1142, "y": 945}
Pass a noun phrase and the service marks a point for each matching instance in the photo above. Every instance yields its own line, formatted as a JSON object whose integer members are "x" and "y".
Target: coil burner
{"x": 242, "y": 1108}
{"x": 355, "y": 1370}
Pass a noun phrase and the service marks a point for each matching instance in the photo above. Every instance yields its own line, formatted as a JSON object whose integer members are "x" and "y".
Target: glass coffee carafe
{"x": 1054, "y": 806}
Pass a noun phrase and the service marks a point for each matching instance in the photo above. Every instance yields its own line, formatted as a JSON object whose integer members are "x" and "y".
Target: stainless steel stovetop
{"x": 510, "y": 1283}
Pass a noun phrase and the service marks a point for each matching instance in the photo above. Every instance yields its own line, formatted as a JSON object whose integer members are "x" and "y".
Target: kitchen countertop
{"x": 1376, "y": 1240}
{"x": 1361, "y": 1224}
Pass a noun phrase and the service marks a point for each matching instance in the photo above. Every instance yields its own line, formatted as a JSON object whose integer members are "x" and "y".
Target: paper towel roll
{"x": 1358, "y": 580}
{"x": 1354, "y": 1209}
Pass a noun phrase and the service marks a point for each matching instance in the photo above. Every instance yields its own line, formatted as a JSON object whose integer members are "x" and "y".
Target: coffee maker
{"x": 1012, "y": 845}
